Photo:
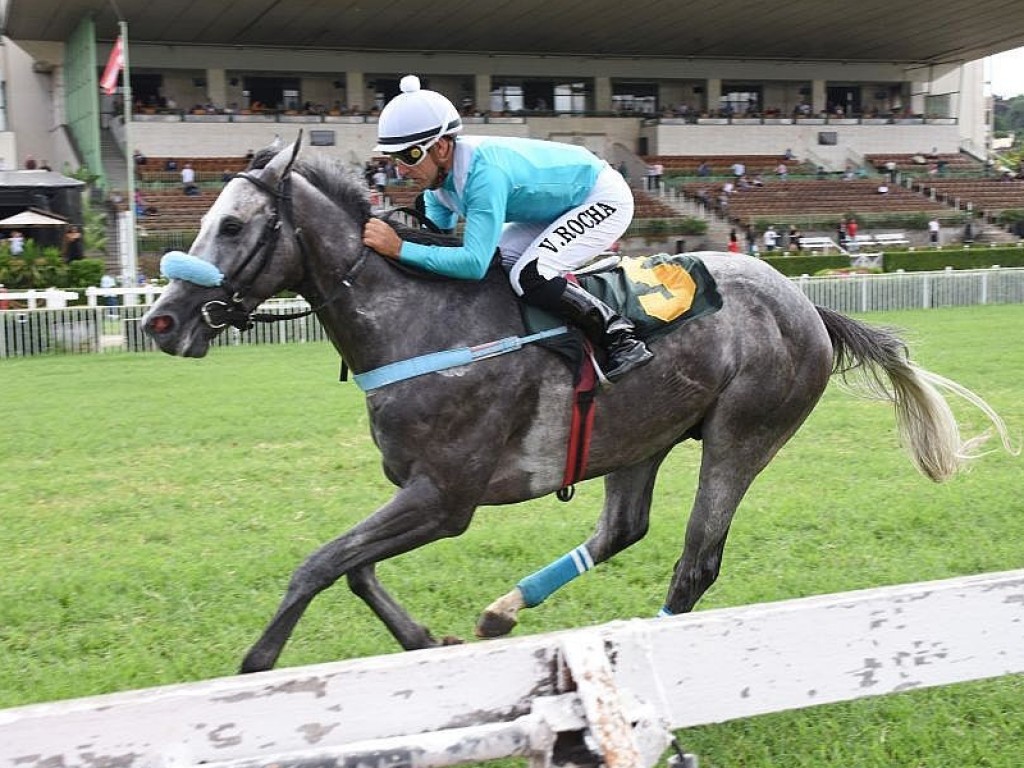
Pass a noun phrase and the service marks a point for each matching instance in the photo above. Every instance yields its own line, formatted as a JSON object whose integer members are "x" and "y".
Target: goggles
{"x": 412, "y": 156}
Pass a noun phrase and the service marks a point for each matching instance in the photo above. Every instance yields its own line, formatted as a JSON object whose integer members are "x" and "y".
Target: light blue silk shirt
{"x": 495, "y": 180}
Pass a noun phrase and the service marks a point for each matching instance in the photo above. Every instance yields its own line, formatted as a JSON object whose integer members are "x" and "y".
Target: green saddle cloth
{"x": 656, "y": 292}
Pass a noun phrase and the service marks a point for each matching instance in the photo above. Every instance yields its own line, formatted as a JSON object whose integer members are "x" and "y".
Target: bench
{"x": 891, "y": 238}
{"x": 823, "y": 244}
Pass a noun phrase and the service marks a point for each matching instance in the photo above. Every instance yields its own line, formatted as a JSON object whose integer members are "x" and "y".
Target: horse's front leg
{"x": 414, "y": 516}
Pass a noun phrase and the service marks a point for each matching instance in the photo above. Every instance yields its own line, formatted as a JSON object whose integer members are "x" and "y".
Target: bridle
{"x": 219, "y": 313}
{"x": 231, "y": 310}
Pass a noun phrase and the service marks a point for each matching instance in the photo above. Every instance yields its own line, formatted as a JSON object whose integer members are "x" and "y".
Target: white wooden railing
{"x": 621, "y": 687}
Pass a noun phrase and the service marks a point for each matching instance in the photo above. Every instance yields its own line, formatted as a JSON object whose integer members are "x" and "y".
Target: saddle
{"x": 657, "y": 292}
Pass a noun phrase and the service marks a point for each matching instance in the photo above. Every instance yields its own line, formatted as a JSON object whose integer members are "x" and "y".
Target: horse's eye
{"x": 230, "y": 227}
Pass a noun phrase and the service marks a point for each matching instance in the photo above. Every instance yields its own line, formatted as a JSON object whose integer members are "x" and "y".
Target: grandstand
{"x": 650, "y": 97}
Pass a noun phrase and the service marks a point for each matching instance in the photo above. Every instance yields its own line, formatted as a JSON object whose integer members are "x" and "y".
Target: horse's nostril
{"x": 161, "y": 324}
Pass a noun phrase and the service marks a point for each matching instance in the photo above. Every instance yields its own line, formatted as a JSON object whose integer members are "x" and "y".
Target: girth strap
{"x": 581, "y": 426}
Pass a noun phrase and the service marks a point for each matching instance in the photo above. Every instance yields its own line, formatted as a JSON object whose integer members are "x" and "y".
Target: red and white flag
{"x": 114, "y": 65}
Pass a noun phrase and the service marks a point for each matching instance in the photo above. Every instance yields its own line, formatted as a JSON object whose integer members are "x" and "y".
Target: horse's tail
{"x": 927, "y": 427}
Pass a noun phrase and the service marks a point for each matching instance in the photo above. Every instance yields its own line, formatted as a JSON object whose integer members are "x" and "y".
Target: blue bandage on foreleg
{"x": 536, "y": 587}
{"x": 664, "y": 612}
{"x": 182, "y": 266}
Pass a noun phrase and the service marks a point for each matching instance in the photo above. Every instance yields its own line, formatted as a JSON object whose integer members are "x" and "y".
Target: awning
{"x": 33, "y": 217}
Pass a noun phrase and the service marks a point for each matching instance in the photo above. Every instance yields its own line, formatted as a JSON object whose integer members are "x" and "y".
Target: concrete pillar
{"x": 355, "y": 91}
{"x": 819, "y": 97}
{"x": 482, "y": 93}
{"x": 712, "y": 94}
{"x": 602, "y": 94}
{"x": 217, "y": 87}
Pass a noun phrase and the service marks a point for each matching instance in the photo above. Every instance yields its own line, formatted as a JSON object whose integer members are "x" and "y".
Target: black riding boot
{"x": 604, "y": 327}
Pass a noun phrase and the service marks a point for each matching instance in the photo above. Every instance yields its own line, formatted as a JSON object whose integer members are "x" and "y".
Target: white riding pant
{"x": 574, "y": 238}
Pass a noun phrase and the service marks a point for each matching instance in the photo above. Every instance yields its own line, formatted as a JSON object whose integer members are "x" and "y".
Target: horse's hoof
{"x": 494, "y": 625}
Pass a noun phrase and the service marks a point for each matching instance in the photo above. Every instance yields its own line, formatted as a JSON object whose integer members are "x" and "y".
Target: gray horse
{"x": 742, "y": 380}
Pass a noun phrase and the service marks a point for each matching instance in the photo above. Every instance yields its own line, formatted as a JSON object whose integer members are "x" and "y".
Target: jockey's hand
{"x": 382, "y": 238}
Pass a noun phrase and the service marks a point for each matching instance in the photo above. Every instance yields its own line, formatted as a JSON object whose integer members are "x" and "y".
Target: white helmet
{"x": 414, "y": 117}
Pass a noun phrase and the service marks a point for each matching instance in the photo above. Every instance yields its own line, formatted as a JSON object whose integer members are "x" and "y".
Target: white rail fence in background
{"x": 616, "y": 690}
{"x": 110, "y": 319}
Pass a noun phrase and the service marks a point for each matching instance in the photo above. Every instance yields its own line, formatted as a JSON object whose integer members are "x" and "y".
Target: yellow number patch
{"x": 673, "y": 292}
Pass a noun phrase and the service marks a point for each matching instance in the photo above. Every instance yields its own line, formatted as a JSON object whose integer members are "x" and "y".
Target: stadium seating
{"x": 154, "y": 170}
{"x": 721, "y": 165}
{"x": 985, "y": 196}
{"x": 799, "y": 199}
{"x": 958, "y": 163}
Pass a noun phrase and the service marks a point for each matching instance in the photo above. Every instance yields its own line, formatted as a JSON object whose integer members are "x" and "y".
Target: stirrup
{"x": 634, "y": 356}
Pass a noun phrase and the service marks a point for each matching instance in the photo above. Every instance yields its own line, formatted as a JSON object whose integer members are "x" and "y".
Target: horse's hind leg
{"x": 623, "y": 522}
{"x": 409, "y": 633}
{"x": 736, "y": 448}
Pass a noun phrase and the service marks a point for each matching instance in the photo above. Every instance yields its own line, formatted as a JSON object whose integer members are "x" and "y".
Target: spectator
{"x": 751, "y": 238}
{"x": 141, "y": 207}
{"x": 16, "y": 243}
{"x": 140, "y": 159}
{"x": 188, "y": 180}
{"x": 771, "y": 239}
{"x": 841, "y": 234}
{"x": 74, "y": 248}
{"x": 933, "y": 232}
{"x": 108, "y": 281}
{"x": 380, "y": 179}
{"x": 851, "y": 235}
{"x": 738, "y": 169}
{"x": 782, "y": 171}
{"x": 30, "y": 163}
{"x": 883, "y": 188}
{"x": 734, "y": 242}
{"x": 704, "y": 169}
{"x": 794, "y": 239}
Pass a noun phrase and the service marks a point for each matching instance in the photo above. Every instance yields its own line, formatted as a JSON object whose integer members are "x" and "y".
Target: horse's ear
{"x": 262, "y": 158}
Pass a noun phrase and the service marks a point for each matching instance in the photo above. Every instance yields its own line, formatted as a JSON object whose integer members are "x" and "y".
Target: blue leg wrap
{"x": 536, "y": 587}
{"x": 664, "y": 612}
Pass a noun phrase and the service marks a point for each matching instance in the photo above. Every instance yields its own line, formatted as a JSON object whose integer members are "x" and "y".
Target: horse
{"x": 494, "y": 431}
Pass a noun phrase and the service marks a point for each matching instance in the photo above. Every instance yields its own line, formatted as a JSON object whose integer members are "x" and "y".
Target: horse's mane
{"x": 328, "y": 175}
{"x": 349, "y": 191}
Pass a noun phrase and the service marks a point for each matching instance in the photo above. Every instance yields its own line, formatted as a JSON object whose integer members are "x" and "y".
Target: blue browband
{"x": 450, "y": 358}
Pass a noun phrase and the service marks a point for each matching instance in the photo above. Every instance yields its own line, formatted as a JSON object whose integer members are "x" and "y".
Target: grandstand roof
{"x": 912, "y": 31}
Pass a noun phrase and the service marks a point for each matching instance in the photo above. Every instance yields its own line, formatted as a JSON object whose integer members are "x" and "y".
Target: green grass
{"x": 154, "y": 508}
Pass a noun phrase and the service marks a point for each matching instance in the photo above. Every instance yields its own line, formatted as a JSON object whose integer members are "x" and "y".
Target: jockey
{"x": 549, "y": 207}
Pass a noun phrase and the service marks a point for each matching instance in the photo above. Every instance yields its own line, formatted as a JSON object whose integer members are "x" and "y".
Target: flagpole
{"x": 131, "y": 254}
